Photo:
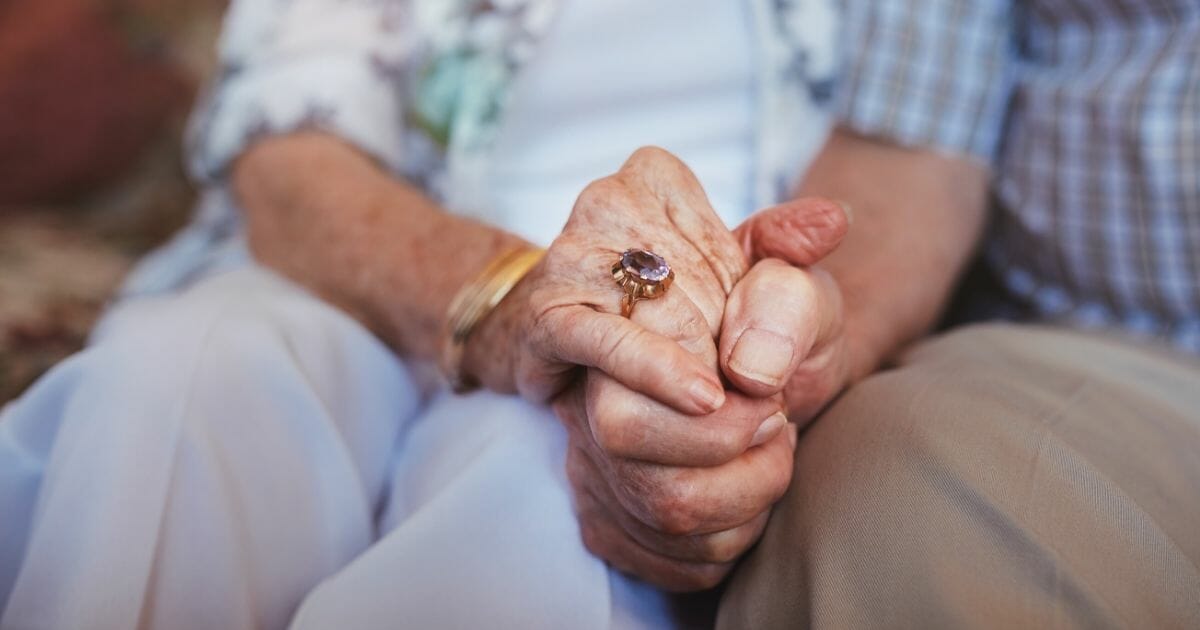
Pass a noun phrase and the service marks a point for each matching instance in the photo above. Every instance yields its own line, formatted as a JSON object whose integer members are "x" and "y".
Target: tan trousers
{"x": 999, "y": 476}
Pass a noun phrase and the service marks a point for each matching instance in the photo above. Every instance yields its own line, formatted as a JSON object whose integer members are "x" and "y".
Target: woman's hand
{"x": 565, "y": 313}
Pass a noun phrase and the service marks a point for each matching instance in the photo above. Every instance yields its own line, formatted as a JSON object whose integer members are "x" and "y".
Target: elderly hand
{"x": 784, "y": 326}
{"x": 673, "y": 498}
{"x": 564, "y": 313}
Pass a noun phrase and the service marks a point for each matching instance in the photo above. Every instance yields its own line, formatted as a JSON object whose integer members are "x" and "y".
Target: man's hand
{"x": 917, "y": 217}
{"x": 784, "y": 326}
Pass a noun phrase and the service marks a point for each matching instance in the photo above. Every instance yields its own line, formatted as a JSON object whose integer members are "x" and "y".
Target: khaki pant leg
{"x": 999, "y": 476}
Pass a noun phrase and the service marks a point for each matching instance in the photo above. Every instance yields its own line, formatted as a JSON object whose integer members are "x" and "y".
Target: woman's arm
{"x": 327, "y": 216}
{"x": 320, "y": 206}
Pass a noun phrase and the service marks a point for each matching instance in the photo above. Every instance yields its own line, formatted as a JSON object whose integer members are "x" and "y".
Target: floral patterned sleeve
{"x": 295, "y": 64}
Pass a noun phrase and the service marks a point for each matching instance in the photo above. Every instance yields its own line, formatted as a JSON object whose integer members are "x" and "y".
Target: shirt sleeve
{"x": 933, "y": 74}
{"x": 286, "y": 65}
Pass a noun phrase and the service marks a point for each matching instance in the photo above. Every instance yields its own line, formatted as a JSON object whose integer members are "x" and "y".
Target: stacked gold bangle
{"x": 473, "y": 303}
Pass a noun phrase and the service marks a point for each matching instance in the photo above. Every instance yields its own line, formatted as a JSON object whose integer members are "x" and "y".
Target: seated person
{"x": 1031, "y": 475}
{"x": 253, "y": 438}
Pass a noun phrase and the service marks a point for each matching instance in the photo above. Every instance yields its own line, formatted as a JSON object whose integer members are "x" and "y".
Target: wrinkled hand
{"x": 565, "y": 313}
{"x": 672, "y": 498}
{"x": 678, "y": 526}
{"x": 784, "y": 328}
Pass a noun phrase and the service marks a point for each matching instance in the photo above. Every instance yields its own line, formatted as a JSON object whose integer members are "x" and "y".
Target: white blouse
{"x": 610, "y": 77}
{"x": 505, "y": 110}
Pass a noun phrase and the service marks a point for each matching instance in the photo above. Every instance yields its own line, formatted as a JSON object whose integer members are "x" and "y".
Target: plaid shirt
{"x": 1089, "y": 113}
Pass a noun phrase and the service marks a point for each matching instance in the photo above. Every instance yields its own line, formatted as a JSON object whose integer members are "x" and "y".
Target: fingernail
{"x": 793, "y": 432}
{"x": 762, "y": 356}
{"x": 849, "y": 210}
{"x": 768, "y": 429}
{"x": 708, "y": 395}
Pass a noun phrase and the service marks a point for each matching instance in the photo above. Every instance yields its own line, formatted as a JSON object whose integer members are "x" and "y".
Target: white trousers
{"x": 243, "y": 455}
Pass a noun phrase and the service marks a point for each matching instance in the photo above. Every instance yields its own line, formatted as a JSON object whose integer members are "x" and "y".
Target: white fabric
{"x": 242, "y": 455}
{"x": 216, "y": 455}
{"x": 614, "y": 78}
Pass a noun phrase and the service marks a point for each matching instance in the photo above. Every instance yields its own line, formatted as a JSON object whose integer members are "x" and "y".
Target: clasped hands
{"x": 679, "y": 442}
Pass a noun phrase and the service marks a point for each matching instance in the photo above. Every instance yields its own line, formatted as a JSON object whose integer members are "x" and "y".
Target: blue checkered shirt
{"x": 1088, "y": 112}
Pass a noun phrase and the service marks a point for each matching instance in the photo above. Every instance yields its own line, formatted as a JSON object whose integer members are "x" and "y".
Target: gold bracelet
{"x": 473, "y": 303}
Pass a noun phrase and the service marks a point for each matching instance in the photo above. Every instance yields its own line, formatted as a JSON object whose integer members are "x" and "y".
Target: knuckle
{"x": 696, "y": 344}
{"x": 725, "y": 444}
{"x": 689, "y": 323}
{"x": 599, "y": 193}
{"x": 606, "y": 431}
{"x": 613, "y": 344}
{"x": 721, "y": 547}
{"x": 672, "y": 510}
{"x": 739, "y": 540}
{"x": 675, "y": 355}
{"x": 610, "y": 428}
{"x": 726, "y": 551}
{"x": 563, "y": 253}
{"x": 652, "y": 154}
{"x": 712, "y": 575}
{"x": 592, "y": 539}
{"x": 701, "y": 577}
{"x": 657, "y": 167}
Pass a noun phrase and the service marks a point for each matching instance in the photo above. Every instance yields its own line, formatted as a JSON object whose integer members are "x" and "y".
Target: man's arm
{"x": 937, "y": 78}
{"x": 917, "y": 216}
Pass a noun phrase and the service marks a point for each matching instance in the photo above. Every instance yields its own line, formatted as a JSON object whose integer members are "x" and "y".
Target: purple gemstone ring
{"x": 643, "y": 275}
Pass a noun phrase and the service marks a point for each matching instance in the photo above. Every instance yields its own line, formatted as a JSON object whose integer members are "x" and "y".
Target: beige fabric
{"x": 1000, "y": 476}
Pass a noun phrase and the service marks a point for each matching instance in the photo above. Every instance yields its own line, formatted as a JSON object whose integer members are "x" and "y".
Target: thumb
{"x": 773, "y": 319}
{"x": 800, "y": 231}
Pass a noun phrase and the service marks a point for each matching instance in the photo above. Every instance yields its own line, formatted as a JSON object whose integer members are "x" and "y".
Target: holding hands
{"x": 679, "y": 434}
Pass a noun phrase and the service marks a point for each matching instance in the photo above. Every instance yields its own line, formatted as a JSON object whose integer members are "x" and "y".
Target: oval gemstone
{"x": 645, "y": 264}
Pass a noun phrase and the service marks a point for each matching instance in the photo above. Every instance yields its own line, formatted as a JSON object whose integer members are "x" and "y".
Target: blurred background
{"x": 93, "y": 99}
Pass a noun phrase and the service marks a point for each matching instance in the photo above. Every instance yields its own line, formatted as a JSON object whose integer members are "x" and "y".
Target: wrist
{"x": 490, "y": 354}
{"x": 483, "y": 325}
{"x": 867, "y": 344}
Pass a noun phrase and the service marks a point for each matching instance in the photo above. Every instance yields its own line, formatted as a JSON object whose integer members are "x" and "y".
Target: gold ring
{"x": 643, "y": 275}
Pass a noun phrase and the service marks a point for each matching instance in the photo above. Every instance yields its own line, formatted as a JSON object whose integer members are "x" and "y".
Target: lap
{"x": 166, "y": 458}
{"x": 244, "y": 365}
{"x": 998, "y": 475}
{"x": 245, "y": 440}
{"x": 479, "y": 531}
